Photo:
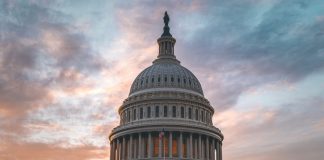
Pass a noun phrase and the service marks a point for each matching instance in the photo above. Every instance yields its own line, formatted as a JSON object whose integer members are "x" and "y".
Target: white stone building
{"x": 166, "y": 115}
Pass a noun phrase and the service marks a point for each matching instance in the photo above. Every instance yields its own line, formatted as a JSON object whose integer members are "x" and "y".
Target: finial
{"x": 166, "y": 29}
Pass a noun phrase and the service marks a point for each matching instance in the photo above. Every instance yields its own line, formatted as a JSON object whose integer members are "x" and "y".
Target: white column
{"x": 139, "y": 145}
{"x": 203, "y": 147}
{"x": 218, "y": 150}
{"x": 180, "y": 145}
{"x": 149, "y": 145}
{"x": 115, "y": 150}
{"x": 213, "y": 149}
{"x": 196, "y": 148}
{"x": 118, "y": 151}
{"x": 170, "y": 144}
{"x": 160, "y": 146}
{"x": 221, "y": 150}
{"x": 207, "y": 148}
{"x": 130, "y": 153}
{"x": 111, "y": 150}
{"x": 112, "y": 156}
{"x": 123, "y": 149}
{"x": 199, "y": 147}
{"x": 190, "y": 146}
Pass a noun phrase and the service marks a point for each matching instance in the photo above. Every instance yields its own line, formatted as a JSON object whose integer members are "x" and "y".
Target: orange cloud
{"x": 41, "y": 151}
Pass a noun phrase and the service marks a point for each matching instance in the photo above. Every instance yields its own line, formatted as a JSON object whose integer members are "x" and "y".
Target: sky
{"x": 66, "y": 67}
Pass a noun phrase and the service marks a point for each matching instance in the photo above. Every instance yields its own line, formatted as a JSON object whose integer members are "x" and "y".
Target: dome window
{"x": 153, "y": 80}
{"x": 174, "y": 111}
{"x": 172, "y": 79}
{"x": 202, "y": 116}
{"x": 182, "y": 112}
{"x": 165, "y": 111}
{"x": 184, "y": 81}
{"x": 189, "y": 113}
{"x": 159, "y": 79}
{"x": 146, "y": 80}
{"x": 189, "y": 82}
{"x": 157, "y": 111}
{"x": 141, "y": 113}
{"x": 196, "y": 117}
{"x": 178, "y": 80}
{"x": 148, "y": 112}
{"x": 141, "y": 82}
{"x": 128, "y": 116}
{"x": 134, "y": 114}
{"x": 165, "y": 79}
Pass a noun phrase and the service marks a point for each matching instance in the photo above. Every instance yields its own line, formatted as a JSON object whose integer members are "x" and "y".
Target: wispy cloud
{"x": 66, "y": 68}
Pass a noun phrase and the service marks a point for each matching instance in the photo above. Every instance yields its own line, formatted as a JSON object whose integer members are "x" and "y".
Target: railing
{"x": 163, "y": 121}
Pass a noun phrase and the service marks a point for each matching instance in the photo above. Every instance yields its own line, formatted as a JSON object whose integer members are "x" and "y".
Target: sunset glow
{"x": 67, "y": 66}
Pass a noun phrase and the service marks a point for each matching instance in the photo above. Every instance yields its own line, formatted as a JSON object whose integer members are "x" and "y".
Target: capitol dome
{"x": 166, "y": 75}
{"x": 166, "y": 115}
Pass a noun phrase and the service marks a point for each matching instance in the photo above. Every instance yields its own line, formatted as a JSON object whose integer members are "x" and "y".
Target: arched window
{"x": 189, "y": 113}
{"x": 196, "y": 115}
{"x": 172, "y": 79}
{"x": 152, "y": 79}
{"x": 134, "y": 114}
{"x": 141, "y": 113}
{"x": 157, "y": 111}
{"x": 148, "y": 112}
{"x": 159, "y": 79}
{"x": 165, "y": 111}
{"x": 174, "y": 111}
{"x": 182, "y": 112}
{"x": 165, "y": 79}
{"x": 202, "y": 116}
{"x": 128, "y": 114}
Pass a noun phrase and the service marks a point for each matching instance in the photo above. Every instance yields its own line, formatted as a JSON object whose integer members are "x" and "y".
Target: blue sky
{"x": 66, "y": 67}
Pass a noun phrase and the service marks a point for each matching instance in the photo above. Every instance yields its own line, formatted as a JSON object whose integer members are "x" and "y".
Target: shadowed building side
{"x": 166, "y": 115}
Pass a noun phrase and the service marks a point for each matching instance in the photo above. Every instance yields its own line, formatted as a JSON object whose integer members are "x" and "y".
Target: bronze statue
{"x": 166, "y": 18}
{"x": 166, "y": 29}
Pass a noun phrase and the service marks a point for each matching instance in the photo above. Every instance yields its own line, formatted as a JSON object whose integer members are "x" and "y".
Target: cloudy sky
{"x": 66, "y": 66}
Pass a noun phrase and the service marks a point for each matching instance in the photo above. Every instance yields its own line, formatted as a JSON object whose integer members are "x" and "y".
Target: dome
{"x": 166, "y": 75}
{"x": 166, "y": 115}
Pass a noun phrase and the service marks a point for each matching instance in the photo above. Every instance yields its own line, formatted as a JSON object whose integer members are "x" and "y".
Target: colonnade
{"x": 169, "y": 145}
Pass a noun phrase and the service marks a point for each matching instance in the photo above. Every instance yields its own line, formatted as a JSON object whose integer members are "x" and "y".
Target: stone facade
{"x": 166, "y": 115}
